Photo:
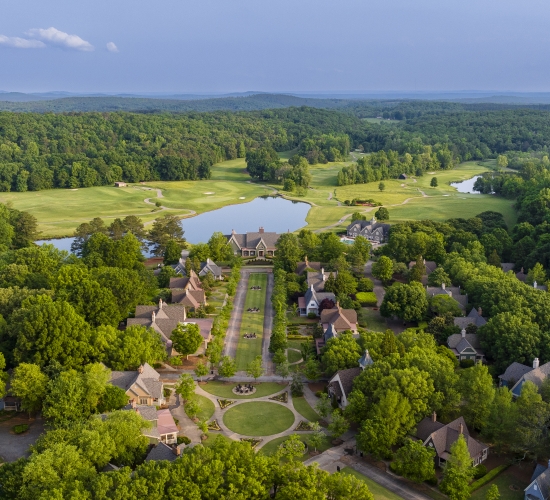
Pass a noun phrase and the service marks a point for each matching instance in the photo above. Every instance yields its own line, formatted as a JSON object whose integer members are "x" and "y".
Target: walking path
{"x": 234, "y": 328}
{"x": 187, "y": 426}
{"x": 295, "y": 362}
{"x": 269, "y": 366}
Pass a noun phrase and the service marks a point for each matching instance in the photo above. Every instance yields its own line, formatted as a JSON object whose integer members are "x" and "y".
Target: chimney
{"x": 536, "y": 363}
{"x": 153, "y": 315}
{"x": 338, "y": 306}
{"x": 140, "y": 369}
{"x": 261, "y": 230}
{"x": 160, "y": 303}
{"x": 434, "y": 417}
{"x": 178, "y": 449}
{"x": 184, "y": 313}
{"x": 463, "y": 333}
{"x": 461, "y": 428}
{"x": 233, "y": 231}
{"x": 323, "y": 277}
{"x": 535, "y": 285}
{"x": 479, "y": 311}
{"x": 521, "y": 270}
{"x": 307, "y": 263}
{"x": 443, "y": 286}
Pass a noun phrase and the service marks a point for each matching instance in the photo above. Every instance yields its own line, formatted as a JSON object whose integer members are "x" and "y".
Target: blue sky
{"x": 274, "y": 45}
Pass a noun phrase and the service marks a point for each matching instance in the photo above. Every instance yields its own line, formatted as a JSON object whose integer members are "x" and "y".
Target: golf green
{"x": 258, "y": 418}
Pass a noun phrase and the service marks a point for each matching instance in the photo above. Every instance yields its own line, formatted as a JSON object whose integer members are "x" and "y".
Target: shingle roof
{"x": 316, "y": 279}
{"x": 148, "y": 380}
{"x": 365, "y": 360}
{"x": 165, "y": 422}
{"x": 456, "y": 341}
{"x": 252, "y": 240}
{"x": 148, "y": 413}
{"x": 536, "y": 375}
{"x": 161, "y": 452}
{"x": 342, "y": 319}
{"x": 329, "y": 333}
{"x": 210, "y": 266}
{"x": 451, "y": 291}
{"x": 318, "y": 297}
{"x": 514, "y": 372}
{"x": 346, "y": 378}
{"x": 302, "y": 267}
{"x": 543, "y": 482}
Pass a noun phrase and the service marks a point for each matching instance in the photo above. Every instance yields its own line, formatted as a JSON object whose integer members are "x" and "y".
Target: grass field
{"x": 304, "y": 409}
{"x": 272, "y": 446}
{"x": 378, "y": 491}
{"x": 224, "y": 390}
{"x": 503, "y": 481}
{"x": 206, "y": 407}
{"x": 374, "y": 321}
{"x": 248, "y": 349}
{"x": 258, "y": 418}
{"x": 211, "y": 439}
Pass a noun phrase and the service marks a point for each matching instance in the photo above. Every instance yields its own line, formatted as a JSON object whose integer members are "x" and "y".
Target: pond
{"x": 274, "y": 214}
{"x": 466, "y": 186}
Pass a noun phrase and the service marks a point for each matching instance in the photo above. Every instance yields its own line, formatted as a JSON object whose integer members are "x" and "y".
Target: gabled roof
{"x": 365, "y": 360}
{"x": 536, "y": 375}
{"x": 148, "y": 379}
{"x": 514, "y": 372}
{"x": 252, "y": 240}
{"x": 541, "y": 477}
{"x": 473, "y": 318}
{"x": 302, "y": 267}
{"x": 318, "y": 297}
{"x": 161, "y": 452}
{"x": 316, "y": 279}
{"x": 165, "y": 422}
{"x": 189, "y": 298}
{"x": 369, "y": 225}
{"x": 330, "y": 333}
{"x": 346, "y": 379}
{"x": 456, "y": 341}
{"x": 210, "y": 266}
{"x": 342, "y": 319}
{"x": 192, "y": 282}
{"x": 451, "y": 291}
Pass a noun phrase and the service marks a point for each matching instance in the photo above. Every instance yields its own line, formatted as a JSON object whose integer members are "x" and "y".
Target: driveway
{"x": 13, "y": 447}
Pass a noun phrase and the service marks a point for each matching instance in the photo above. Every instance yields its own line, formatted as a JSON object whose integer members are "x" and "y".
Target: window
{"x": 252, "y": 253}
{"x": 245, "y": 253}
{"x": 143, "y": 401}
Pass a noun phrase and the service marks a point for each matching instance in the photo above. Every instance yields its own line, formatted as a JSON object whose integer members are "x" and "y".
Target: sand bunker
{"x": 210, "y": 192}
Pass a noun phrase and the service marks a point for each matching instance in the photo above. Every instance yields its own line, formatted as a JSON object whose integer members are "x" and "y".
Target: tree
{"x": 136, "y": 345}
{"x": 499, "y": 424}
{"x": 186, "y": 338}
{"x": 227, "y": 367}
{"x": 338, "y": 424}
{"x": 359, "y": 252}
{"x": 340, "y": 353}
{"x": 192, "y": 407}
{"x": 288, "y": 252}
{"x": 292, "y": 448}
{"x": 433, "y": 182}
{"x": 415, "y": 461}
{"x": 165, "y": 229}
{"x": 172, "y": 252}
{"x": 323, "y": 406}
{"x": 317, "y": 438}
{"x": 382, "y": 214}
{"x": 279, "y": 357}
{"x": 457, "y": 471}
{"x": 185, "y": 387}
{"x": 312, "y": 369}
{"x": 383, "y": 269}
{"x": 114, "y": 398}
{"x": 494, "y": 259}
{"x": 476, "y": 387}
{"x": 255, "y": 368}
{"x": 438, "y": 277}
{"x": 502, "y": 161}
{"x": 163, "y": 277}
{"x": 30, "y": 384}
{"x": 296, "y": 385}
{"x": 492, "y": 493}
{"x": 536, "y": 273}
{"x": 201, "y": 370}
{"x": 220, "y": 250}
{"x": 406, "y": 301}
{"x": 283, "y": 369}
{"x": 381, "y": 186}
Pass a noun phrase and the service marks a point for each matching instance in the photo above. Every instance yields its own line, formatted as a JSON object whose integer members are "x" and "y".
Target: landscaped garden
{"x": 225, "y": 389}
{"x": 258, "y": 418}
{"x": 206, "y": 407}
{"x": 271, "y": 447}
{"x": 379, "y": 492}
{"x": 252, "y": 321}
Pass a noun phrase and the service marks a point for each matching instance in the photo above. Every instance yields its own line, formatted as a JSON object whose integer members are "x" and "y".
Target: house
{"x": 10, "y": 403}
{"x": 430, "y": 265}
{"x": 211, "y": 267}
{"x": 341, "y": 384}
{"x": 466, "y": 346}
{"x": 164, "y": 452}
{"x": 142, "y": 386}
{"x": 312, "y": 300}
{"x": 180, "y": 266}
{"x": 260, "y": 244}
{"x": 451, "y": 291}
{"x": 521, "y": 275}
{"x": 543, "y": 288}
{"x": 539, "y": 488}
{"x": 188, "y": 291}
{"x": 335, "y": 321}
{"x": 507, "y": 266}
{"x": 473, "y": 318}
{"x": 317, "y": 279}
{"x": 163, "y": 427}
{"x": 164, "y": 319}
{"x": 120, "y": 184}
{"x": 402, "y": 176}
{"x": 517, "y": 374}
{"x": 372, "y": 230}
{"x": 302, "y": 267}
{"x": 441, "y": 437}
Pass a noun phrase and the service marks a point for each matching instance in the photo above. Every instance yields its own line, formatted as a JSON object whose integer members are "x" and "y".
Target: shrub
{"x": 367, "y": 298}
{"x": 365, "y": 285}
{"x": 467, "y": 363}
{"x": 480, "y": 471}
{"x": 175, "y": 361}
{"x": 184, "y": 440}
{"x": 488, "y": 477}
{"x": 157, "y": 365}
{"x": 311, "y": 315}
{"x": 20, "y": 429}
{"x": 166, "y": 391}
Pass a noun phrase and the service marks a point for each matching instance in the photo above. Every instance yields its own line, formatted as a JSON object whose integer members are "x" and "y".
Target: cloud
{"x": 111, "y": 47}
{"x": 53, "y": 36}
{"x": 20, "y": 43}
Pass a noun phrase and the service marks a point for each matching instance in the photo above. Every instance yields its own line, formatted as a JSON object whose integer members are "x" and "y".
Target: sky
{"x": 187, "y": 46}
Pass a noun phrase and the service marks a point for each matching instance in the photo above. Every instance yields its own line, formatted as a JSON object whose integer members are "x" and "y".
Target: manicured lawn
{"x": 206, "y": 407}
{"x": 209, "y": 441}
{"x": 503, "y": 481}
{"x": 248, "y": 349}
{"x": 258, "y": 418}
{"x": 304, "y": 409}
{"x": 294, "y": 356}
{"x": 374, "y": 321}
{"x": 224, "y": 390}
{"x": 378, "y": 491}
{"x": 272, "y": 446}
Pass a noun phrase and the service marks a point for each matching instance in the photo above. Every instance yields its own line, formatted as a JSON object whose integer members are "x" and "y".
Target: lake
{"x": 466, "y": 186}
{"x": 274, "y": 214}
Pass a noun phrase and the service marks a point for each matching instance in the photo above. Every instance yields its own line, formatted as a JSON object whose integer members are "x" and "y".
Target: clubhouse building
{"x": 260, "y": 244}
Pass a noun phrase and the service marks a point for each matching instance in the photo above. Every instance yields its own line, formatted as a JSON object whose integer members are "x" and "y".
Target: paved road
{"x": 268, "y": 326}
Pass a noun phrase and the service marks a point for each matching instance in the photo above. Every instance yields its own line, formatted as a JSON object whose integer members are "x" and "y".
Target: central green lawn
{"x": 378, "y": 491}
{"x": 224, "y": 390}
{"x": 503, "y": 481}
{"x": 248, "y": 349}
{"x": 272, "y": 446}
{"x": 206, "y": 407}
{"x": 304, "y": 409}
{"x": 258, "y": 418}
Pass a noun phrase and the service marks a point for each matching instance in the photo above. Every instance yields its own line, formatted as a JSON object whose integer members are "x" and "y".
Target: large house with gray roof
{"x": 517, "y": 374}
{"x": 260, "y": 244}
{"x": 372, "y": 230}
{"x": 188, "y": 291}
{"x": 311, "y": 301}
{"x": 305, "y": 266}
{"x": 142, "y": 386}
{"x": 210, "y": 267}
{"x": 466, "y": 346}
{"x": 473, "y": 318}
{"x": 341, "y": 384}
{"x": 441, "y": 437}
{"x": 539, "y": 487}
{"x": 451, "y": 291}
{"x": 317, "y": 279}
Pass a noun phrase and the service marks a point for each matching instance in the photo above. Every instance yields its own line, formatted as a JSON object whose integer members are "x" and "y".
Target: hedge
{"x": 367, "y": 298}
{"x": 299, "y": 337}
{"x": 487, "y": 477}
